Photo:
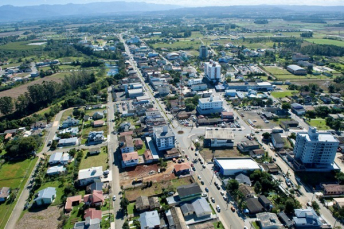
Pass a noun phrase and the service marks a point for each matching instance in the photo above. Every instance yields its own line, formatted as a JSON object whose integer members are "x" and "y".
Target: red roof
{"x": 148, "y": 154}
{"x": 130, "y": 156}
{"x": 98, "y": 122}
{"x": 93, "y": 213}
{"x": 126, "y": 133}
{"x": 181, "y": 167}
{"x": 71, "y": 200}
{"x": 138, "y": 142}
{"x": 95, "y": 197}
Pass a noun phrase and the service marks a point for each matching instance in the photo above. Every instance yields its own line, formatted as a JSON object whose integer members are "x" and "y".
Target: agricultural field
{"x": 19, "y": 46}
{"x": 326, "y": 42}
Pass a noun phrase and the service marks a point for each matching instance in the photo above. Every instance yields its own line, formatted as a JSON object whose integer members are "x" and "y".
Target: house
{"x": 271, "y": 168}
{"x": 149, "y": 220}
{"x": 287, "y": 222}
{"x": 39, "y": 125}
{"x": 138, "y": 144}
{"x": 142, "y": 203}
{"x": 72, "y": 201}
{"x": 246, "y": 190}
{"x": 68, "y": 142}
{"x": 267, "y": 220}
{"x": 277, "y": 140}
{"x": 86, "y": 118}
{"x": 59, "y": 158}
{"x": 73, "y": 131}
{"x": 130, "y": 159}
{"x": 45, "y": 196}
{"x": 98, "y": 123}
{"x": 338, "y": 202}
{"x": 56, "y": 170}
{"x": 288, "y": 124}
{"x": 182, "y": 169}
{"x": 227, "y": 115}
{"x": 98, "y": 115}
{"x": 96, "y": 185}
{"x": 172, "y": 153}
{"x": 298, "y": 56}
{"x": 333, "y": 189}
{"x": 243, "y": 179}
{"x": 94, "y": 199}
{"x": 4, "y": 193}
{"x": 126, "y": 144}
{"x": 265, "y": 202}
{"x": 88, "y": 224}
{"x": 218, "y": 138}
{"x": 254, "y": 206}
{"x": 154, "y": 202}
{"x": 257, "y": 153}
{"x": 93, "y": 213}
{"x": 94, "y": 151}
{"x": 87, "y": 176}
{"x": 70, "y": 122}
{"x": 200, "y": 207}
{"x": 95, "y": 137}
{"x": 163, "y": 137}
{"x": 297, "y": 109}
{"x": 247, "y": 145}
{"x": 189, "y": 192}
{"x": 306, "y": 218}
{"x": 148, "y": 156}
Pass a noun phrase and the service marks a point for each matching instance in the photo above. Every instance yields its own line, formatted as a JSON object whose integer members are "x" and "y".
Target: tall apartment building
{"x": 212, "y": 70}
{"x": 315, "y": 149}
{"x": 163, "y": 137}
{"x": 203, "y": 52}
{"x": 213, "y": 104}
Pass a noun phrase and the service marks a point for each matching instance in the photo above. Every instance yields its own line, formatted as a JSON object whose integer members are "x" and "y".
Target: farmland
{"x": 19, "y": 46}
{"x": 326, "y": 42}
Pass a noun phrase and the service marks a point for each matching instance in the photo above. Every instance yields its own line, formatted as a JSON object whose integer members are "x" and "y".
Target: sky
{"x": 187, "y": 3}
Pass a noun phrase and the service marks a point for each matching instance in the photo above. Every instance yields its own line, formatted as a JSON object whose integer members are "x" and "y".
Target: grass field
{"x": 13, "y": 175}
{"x": 19, "y": 46}
{"x": 59, "y": 191}
{"x": 283, "y": 74}
{"x": 142, "y": 151}
{"x": 319, "y": 123}
{"x": 179, "y": 45}
{"x": 326, "y": 42}
{"x": 130, "y": 208}
{"x": 73, "y": 217}
{"x": 66, "y": 113}
{"x": 282, "y": 94}
{"x": 96, "y": 160}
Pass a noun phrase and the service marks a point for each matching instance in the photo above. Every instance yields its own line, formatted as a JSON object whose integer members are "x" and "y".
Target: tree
{"x": 266, "y": 135}
{"x": 124, "y": 204}
{"x": 289, "y": 207}
{"x": 286, "y": 106}
{"x": 257, "y": 187}
{"x": 315, "y": 206}
{"x": 125, "y": 225}
{"x": 6, "y": 105}
{"x": 232, "y": 186}
{"x": 292, "y": 136}
{"x": 269, "y": 102}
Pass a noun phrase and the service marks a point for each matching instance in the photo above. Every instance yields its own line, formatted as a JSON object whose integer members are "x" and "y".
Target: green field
{"x": 19, "y": 46}
{"x": 283, "y": 74}
{"x": 319, "y": 123}
{"x": 14, "y": 175}
{"x": 179, "y": 45}
{"x": 130, "y": 208}
{"x": 142, "y": 151}
{"x": 66, "y": 113}
{"x": 96, "y": 160}
{"x": 326, "y": 42}
{"x": 282, "y": 94}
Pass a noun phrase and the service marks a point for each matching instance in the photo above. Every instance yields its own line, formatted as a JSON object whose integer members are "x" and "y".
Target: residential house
{"x": 148, "y": 156}
{"x": 130, "y": 159}
{"x": 126, "y": 144}
{"x": 257, "y": 153}
{"x": 97, "y": 185}
{"x": 73, "y": 131}
{"x": 297, "y": 109}
{"x": 298, "y": 56}
{"x": 94, "y": 151}
{"x": 267, "y": 220}
{"x": 254, "y": 206}
{"x": 172, "y": 153}
{"x": 39, "y": 125}
{"x": 88, "y": 224}
{"x": 199, "y": 207}
{"x": 271, "y": 168}
{"x": 149, "y": 220}
{"x": 306, "y": 218}
{"x": 277, "y": 140}
{"x": 93, "y": 213}
{"x": 287, "y": 222}
{"x": 98, "y": 115}
{"x": 333, "y": 189}
{"x": 87, "y": 176}
{"x": 46, "y": 196}
{"x": 288, "y": 124}
{"x": 95, "y": 137}
{"x": 4, "y": 193}
{"x": 189, "y": 192}
{"x": 265, "y": 202}
{"x": 142, "y": 203}
{"x": 70, "y": 122}
{"x": 94, "y": 199}
{"x": 59, "y": 158}
{"x": 182, "y": 169}
{"x": 246, "y": 190}
{"x": 72, "y": 201}
{"x": 218, "y": 138}
{"x": 154, "y": 203}
{"x": 86, "y": 118}
{"x": 243, "y": 179}
{"x": 56, "y": 170}
{"x": 247, "y": 145}
{"x": 68, "y": 142}
{"x": 338, "y": 202}
{"x": 98, "y": 123}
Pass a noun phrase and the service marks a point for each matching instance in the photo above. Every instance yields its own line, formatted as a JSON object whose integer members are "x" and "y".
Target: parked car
{"x": 212, "y": 199}
{"x": 203, "y": 166}
{"x": 233, "y": 209}
{"x": 218, "y": 209}
{"x": 206, "y": 189}
{"x": 114, "y": 197}
{"x": 204, "y": 194}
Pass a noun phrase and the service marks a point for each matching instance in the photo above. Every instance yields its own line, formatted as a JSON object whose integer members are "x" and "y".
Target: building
{"x": 227, "y": 115}
{"x": 257, "y": 153}
{"x": 87, "y": 176}
{"x": 134, "y": 93}
{"x": 4, "y": 193}
{"x": 296, "y": 70}
{"x": 163, "y": 137}
{"x": 338, "y": 202}
{"x": 59, "y": 158}
{"x": 247, "y": 145}
{"x": 163, "y": 89}
{"x": 96, "y": 185}
{"x": 98, "y": 115}
{"x": 189, "y": 192}
{"x": 98, "y": 123}
{"x": 333, "y": 189}
{"x": 315, "y": 149}
{"x": 172, "y": 153}
{"x": 194, "y": 81}
{"x": 267, "y": 220}
{"x": 277, "y": 140}
{"x": 72, "y": 201}
{"x": 182, "y": 169}
{"x": 45, "y": 196}
{"x": 212, "y": 71}
{"x": 306, "y": 218}
{"x": 203, "y": 52}
{"x": 93, "y": 213}
{"x": 211, "y": 105}
{"x": 254, "y": 206}
{"x": 142, "y": 203}
{"x": 68, "y": 142}
{"x": 152, "y": 154}
{"x": 126, "y": 144}
{"x": 87, "y": 224}
{"x": 245, "y": 86}
{"x": 95, "y": 199}
{"x": 56, "y": 170}
{"x": 130, "y": 159}
{"x": 232, "y": 166}
{"x": 230, "y": 93}
{"x": 95, "y": 137}
{"x": 243, "y": 179}
{"x": 298, "y": 56}
{"x": 200, "y": 207}
{"x": 149, "y": 220}
{"x": 69, "y": 122}
{"x": 297, "y": 109}
{"x": 287, "y": 222}
{"x": 288, "y": 124}
{"x": 219, "y": 138}
{"x": 199, "y": 87}
{"x": 246, "y": 190}
{"x": 265, "y": 202}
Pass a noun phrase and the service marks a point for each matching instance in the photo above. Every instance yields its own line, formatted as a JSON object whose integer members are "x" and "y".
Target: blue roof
{"x": 55, "y": 157}
{"x": 149, "y": 219}
{"x": 220, "y": 87}
{"x": 46, "y": 193}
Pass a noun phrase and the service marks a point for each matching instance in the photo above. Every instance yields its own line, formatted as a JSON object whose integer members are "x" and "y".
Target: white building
{"x": 219, "y": 138}
{"x": 164, "y": 89}
{"x": 194, "y": 81}
{"x": 212, "y": 70}
{"x": 163, "y": 137}
{"x": 232, "y": 166}
{"x": 315, "y": 149}
{"x": 87, "y": 176}
{"x": 213, "y": 104}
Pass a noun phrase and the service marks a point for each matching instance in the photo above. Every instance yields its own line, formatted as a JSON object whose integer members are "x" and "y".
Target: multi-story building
{"x": 315, "y": 149}
{"x": 203, "y": 52}
{"x": 213, "y": 104}
{"x": 163, "y": 137}
{"x": 212, "y": 70}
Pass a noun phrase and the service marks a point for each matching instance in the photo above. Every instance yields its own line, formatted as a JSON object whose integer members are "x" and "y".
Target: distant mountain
{"x": 18, "y": 13}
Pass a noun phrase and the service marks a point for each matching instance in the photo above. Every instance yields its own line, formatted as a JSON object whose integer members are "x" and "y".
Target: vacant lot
{"x": 47, "y": 218}
{"x": 319, "y": 123}
{"x": 326, "y": 42}
{"x": 96, "y": 160}
{"x": 208, "y": 154}
{"x": 283, "y": 74}
{"x": 15, "y": 92}
{"x": 282, "y": 94}
{"x": 257, "y": 120}
{"x": 20, "y": 46}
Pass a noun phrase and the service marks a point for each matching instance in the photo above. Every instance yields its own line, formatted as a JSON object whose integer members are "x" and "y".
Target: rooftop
{"x": 237, "y": 163}
{"x": 219, "y": 134}
{"x": 130, "y": 156}
{"x": 163, "y": 132}
{"x": 186, "y": 190}
{"x": 267, "y": 219}
{"x": 90, "y": 172}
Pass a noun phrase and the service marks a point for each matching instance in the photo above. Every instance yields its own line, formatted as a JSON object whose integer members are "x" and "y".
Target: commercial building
{"x": 219, "y": 138}
{"x": 247, "y": 145}
{"x": 163, "y": 137}
{"x": 315, "y": 149}
{"x": 199, "y": 87}
{"x": 230, "y": 93}
{"x": 232, "y": 166}
{"x": 134, "y": 93}
{"x": 297, "y": 109}
{"x": 307, "y": 218}
{"x": 267, "y": 220}
{"x": 211, "y": 105}
{"x": 203, "y": 52}
{"x": 189, "y": 192}
{"x": 212, "y": 70}
{"x": 277, "y": 141}
{"x": 296, "y": 70}
{"x": 194, "y": 81}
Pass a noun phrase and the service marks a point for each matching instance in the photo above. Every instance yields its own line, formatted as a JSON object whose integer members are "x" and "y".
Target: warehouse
{"x": 296, "y": 70}
{"x": 232, "y": 166}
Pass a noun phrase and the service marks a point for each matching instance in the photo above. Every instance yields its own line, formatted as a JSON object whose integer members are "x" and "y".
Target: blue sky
{"x": 185, "y": 2}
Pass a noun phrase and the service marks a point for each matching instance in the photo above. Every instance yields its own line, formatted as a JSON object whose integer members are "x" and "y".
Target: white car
{"x": 203, "y": 166}
{"x": 114, "y": 197}
{"x": 199, "y": 177}
{"x": 222, "y": 193}
{"x": 218, "y": 208}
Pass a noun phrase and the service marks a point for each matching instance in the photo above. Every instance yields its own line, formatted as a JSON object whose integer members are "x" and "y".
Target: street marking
{"x": 56, "y": 123}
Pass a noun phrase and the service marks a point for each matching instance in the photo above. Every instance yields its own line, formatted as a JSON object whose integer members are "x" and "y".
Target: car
{"x": 201, "y": 162}
{"x": 199, "y": 177}
{"x": 204, "y": 194}
{"x": 215, "y": 183}
{"x": 218, "y": 209}
{"x": 192, "y": 148}
{"x": 196, "y": 153}
{"x": 233, "y": 209}
{"x": 245, "y": 227}
{"x": 193, "y": 168}
{"x": 49, "y": 142}
{"x": 222, "y": 193}
{"x": 212, "y": 199}
{"x": 106, "y": 172}
{"x": 192, "y": 165}
{"x": 276, "y": 154}
{"x": 114, "y": 197}
{"x": 225, "y": 198}
{"x": 202, "y": 182}
{"x": 206, "y": 189}
{"x": 199, "y": 159}
{"x": 171, "y": 193}
{"x": 203, "y": 166}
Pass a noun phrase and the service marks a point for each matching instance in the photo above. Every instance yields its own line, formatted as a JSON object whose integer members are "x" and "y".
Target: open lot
{"x": 208, "y": 154}
{"x": 283, "y": 94}
{"x": 319, "y": 123}
{"x": 95, "y": 160}
{"x": 257, "y": 120}
{"x": 326, "y": 42}
{"x": 283, "y": 74}
{"x": 47, "y": 218}
{"x": 178, "y": 45}
{"x": 19, "y": 46}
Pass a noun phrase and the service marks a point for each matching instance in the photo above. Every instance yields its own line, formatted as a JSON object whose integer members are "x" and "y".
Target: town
{"x": 150, "y": 121}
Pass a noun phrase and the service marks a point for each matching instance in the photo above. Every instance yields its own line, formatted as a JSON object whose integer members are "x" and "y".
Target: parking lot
{"x": 256, "y": 119}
